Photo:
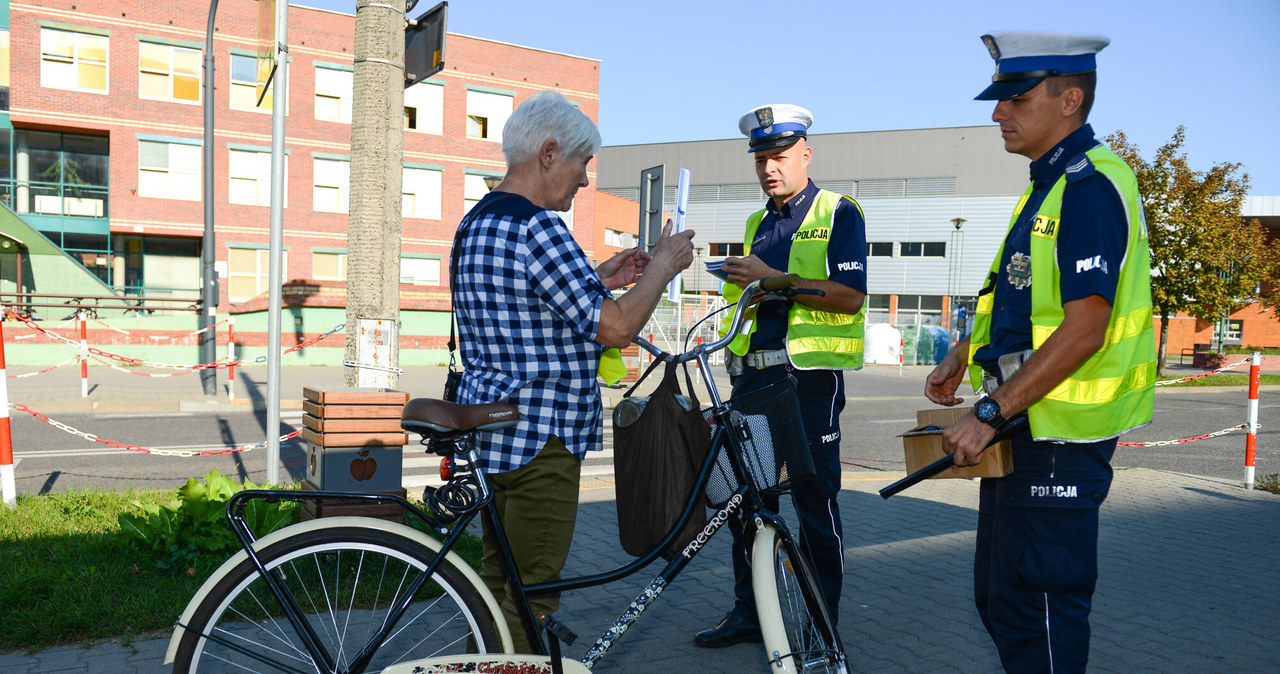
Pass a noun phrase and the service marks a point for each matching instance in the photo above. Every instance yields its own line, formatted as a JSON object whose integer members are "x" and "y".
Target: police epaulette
{"x": 1079, "y": 168}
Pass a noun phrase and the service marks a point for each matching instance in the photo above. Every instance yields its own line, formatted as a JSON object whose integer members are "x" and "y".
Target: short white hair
{"x": 548, "y": 116}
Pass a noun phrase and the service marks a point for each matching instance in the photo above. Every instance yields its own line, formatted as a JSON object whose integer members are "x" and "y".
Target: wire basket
{"x": 774, "y": 446}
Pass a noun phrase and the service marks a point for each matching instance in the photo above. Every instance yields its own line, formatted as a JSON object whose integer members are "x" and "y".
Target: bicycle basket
{"x": 774, "y": 445}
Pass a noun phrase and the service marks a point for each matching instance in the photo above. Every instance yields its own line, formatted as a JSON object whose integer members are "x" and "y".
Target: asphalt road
{"x": 881, "y": 404}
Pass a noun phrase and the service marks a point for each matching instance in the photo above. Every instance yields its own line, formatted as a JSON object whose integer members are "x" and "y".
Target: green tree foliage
{"x": 1205, "y": 260}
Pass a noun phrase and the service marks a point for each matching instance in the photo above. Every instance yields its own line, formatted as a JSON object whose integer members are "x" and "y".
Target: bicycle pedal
{"x": 557, "y": 629}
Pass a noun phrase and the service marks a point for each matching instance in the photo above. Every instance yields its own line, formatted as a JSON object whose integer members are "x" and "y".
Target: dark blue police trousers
{"x": 821, "y": 395}
{"x": 1036, "y": 563}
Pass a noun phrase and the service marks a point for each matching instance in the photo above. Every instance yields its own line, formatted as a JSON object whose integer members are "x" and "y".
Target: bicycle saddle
{"x": 431, "y": 417}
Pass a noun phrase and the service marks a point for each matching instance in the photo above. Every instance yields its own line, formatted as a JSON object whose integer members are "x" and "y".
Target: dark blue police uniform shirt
{"x": 846, "y": 256}
{"x": 1092, "y": 240}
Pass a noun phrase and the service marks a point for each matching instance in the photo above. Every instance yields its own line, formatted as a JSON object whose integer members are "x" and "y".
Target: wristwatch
{"x": 988, "y": 412}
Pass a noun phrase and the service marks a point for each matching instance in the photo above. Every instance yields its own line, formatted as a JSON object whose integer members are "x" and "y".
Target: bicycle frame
{"x": 746, "y": 502}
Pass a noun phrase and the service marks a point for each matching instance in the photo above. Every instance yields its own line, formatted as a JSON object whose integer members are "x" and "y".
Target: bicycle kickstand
{"x": 556, "y": 633}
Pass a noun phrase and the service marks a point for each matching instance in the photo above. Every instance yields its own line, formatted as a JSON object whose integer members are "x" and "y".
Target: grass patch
{"x": 1229, "y": 379}
{"x": 1269, "y": 483}
{"x": 72, "y": 576}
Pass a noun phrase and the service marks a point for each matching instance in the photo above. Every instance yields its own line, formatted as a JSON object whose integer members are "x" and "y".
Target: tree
{"x": 1204, "y": 260}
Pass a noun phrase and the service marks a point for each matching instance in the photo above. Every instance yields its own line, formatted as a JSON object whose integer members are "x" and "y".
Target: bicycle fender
{"x": 765, "y": 588}
{"x": 334, "y": 522}
{"x": 516, "y": 664}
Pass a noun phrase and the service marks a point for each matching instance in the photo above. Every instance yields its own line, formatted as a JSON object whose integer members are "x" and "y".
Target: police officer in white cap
{"x": 1062, "y": 334}
{"x": 820, "y": 236}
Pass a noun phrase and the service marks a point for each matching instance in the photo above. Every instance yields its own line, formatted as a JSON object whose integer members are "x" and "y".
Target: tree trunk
{"x": 377, "y": 160}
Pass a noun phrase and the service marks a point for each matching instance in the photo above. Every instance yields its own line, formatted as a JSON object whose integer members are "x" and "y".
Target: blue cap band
{"x": 781, "y": 127}
{"x": 1058, "y": 65}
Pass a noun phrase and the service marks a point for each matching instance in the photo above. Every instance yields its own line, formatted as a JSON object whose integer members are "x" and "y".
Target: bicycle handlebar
{"x": 783, "y": 285}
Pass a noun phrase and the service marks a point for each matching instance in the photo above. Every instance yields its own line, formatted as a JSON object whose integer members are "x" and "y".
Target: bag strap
{"x": 453, "y": 265}
{"x": 651, "y": 367}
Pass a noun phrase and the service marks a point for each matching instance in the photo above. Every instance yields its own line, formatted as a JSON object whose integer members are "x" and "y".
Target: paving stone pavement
{"x": 1190, "y": 569}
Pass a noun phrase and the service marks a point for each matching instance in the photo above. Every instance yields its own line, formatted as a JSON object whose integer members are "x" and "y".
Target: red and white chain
{"x": 1180, "y": 441}
{"x": 1224, "y": 368}
{"x": 145, "y": 450}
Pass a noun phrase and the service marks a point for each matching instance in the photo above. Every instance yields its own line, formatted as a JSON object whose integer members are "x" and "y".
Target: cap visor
{"x": 999, "y": 91}
{"x": 774, "y": 142}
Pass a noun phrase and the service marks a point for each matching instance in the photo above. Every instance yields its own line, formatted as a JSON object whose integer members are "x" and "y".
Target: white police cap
{"x": 774, "y": 125}
{"x": 1024, "y": 58}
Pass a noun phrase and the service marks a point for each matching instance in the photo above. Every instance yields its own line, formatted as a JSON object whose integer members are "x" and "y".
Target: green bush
{"x": 1246, "y": 350}
{"x": 1269, "y": 483}
{"x": 195, "y": 523}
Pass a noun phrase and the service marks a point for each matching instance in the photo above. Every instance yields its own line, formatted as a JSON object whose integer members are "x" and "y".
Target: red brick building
{"x": 104, "y": 151}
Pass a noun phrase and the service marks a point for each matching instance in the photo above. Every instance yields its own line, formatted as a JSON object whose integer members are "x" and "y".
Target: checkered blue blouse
{"x": 528, "y": 307}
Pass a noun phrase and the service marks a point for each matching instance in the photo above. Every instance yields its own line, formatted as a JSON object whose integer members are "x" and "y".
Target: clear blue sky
{"x": 687, "y": 70}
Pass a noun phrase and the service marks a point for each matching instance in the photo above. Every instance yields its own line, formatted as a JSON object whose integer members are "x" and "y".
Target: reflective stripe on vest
{"x": 816, "y": 339}
{"x": 1113, "y": 391}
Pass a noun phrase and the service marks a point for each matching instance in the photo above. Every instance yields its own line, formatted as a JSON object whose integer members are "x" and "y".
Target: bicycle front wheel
{"x": 799, "y": 634}
{"x": 345, "y": 575}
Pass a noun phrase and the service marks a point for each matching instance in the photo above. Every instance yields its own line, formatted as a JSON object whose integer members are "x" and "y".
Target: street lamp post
{"x": 956, "y": 269}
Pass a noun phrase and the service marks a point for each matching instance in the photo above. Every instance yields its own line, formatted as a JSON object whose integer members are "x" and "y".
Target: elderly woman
{"x": 533, "y": 318}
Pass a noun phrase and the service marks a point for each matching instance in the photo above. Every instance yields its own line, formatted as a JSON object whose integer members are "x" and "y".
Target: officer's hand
{"x": 673, "y": 252}
{"x": 941, "y": 384}
{"x": 966, "y": 440}
{"x": 743, "y": 270}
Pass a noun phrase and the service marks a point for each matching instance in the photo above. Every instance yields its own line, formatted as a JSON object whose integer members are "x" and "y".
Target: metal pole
{"x": 208, "y": 277}
{"x": 8, "y": 488}
{"x": 274, "y": 272}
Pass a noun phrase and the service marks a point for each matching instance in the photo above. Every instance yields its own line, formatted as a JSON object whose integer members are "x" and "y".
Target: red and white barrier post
{"x": 1251, "y": 439}
{"x": 231, "y": 358}
{"x": 84, "y": 355}
{"x": 7, "y": 488}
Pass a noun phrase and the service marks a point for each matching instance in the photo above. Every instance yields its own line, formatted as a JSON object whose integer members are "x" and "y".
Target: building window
{"x": 474, "y": 188}
{"x": 249, "y": 178}
{"x": 331, "y": 185}
{"x": 725, "y": 249}
{"x": 926, "y": 249}
{"x": 879, "y": 249}
{"x": 57, "y": 173}
{"x": 248, "y": 272}
{"x": 877, "y": 307}
{"x": 71, "y": 60}
{"x": 487, "y": 113}
{"x": 244, "y": 85}
{"x": 424, "y": 108}
{"x": 333, "y": 94}
{"x": 169, "y": 170}
{"x": 420, "y": 271}
{"x": 168, "y": 73}
{"x": 328, "y": 266}
{"x": 613, "y": 237}
{"x": 919, "y": 310}
{"x": 421, "y": 193}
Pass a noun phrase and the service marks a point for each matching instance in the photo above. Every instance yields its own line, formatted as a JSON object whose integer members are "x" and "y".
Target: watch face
{"x": 985, "y": 410}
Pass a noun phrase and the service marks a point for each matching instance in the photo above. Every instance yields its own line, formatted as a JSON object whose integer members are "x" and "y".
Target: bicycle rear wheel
{"x": 799, "y": 635}
{"x": 345, "y": 575}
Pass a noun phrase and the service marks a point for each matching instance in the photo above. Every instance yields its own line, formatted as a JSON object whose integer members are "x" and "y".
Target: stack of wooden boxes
{"x": 354, "y": 444}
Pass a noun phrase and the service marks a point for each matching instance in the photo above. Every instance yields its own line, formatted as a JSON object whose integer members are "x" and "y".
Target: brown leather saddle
{"x": 439, "y": 419}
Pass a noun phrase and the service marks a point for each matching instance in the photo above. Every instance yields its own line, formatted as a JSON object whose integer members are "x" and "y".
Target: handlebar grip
{"x": 779, "y": 282}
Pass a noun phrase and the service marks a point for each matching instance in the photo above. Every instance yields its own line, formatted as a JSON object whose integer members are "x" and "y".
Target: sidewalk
{"x": 1188, "y": 583}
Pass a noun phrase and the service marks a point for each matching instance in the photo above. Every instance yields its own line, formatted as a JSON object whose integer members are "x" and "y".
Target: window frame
{"x": 344, "y": 190}
{"x": 170, "y": 74}
{"x": 169, "y": 170}
{"x": 75, "y": 60}
{"x": 343, "y": 97}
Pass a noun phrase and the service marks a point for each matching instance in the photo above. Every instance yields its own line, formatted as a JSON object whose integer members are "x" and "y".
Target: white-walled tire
{"x": 799, "y": 635}
{"x": 344, "y": 574}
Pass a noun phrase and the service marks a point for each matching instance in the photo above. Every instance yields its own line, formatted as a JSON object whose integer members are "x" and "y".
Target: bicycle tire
{"x": 344, "y": 572}
{"x": 799, "y": 635}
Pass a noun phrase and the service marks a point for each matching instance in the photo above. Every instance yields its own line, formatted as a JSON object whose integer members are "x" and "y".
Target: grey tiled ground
{"x": 1190, "y": 572}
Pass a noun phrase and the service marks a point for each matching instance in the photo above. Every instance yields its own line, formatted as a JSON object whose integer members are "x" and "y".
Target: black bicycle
{"x": 354, "y": 594}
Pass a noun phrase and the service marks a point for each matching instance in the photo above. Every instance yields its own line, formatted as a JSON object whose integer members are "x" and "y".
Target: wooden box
{"x": 922, "y": 446}
{"x": 355, "y": 440}
{"x": 352, "y": 508}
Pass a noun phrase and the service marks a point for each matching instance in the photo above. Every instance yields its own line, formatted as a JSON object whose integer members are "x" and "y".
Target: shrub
{"x": 195, "y": 523}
